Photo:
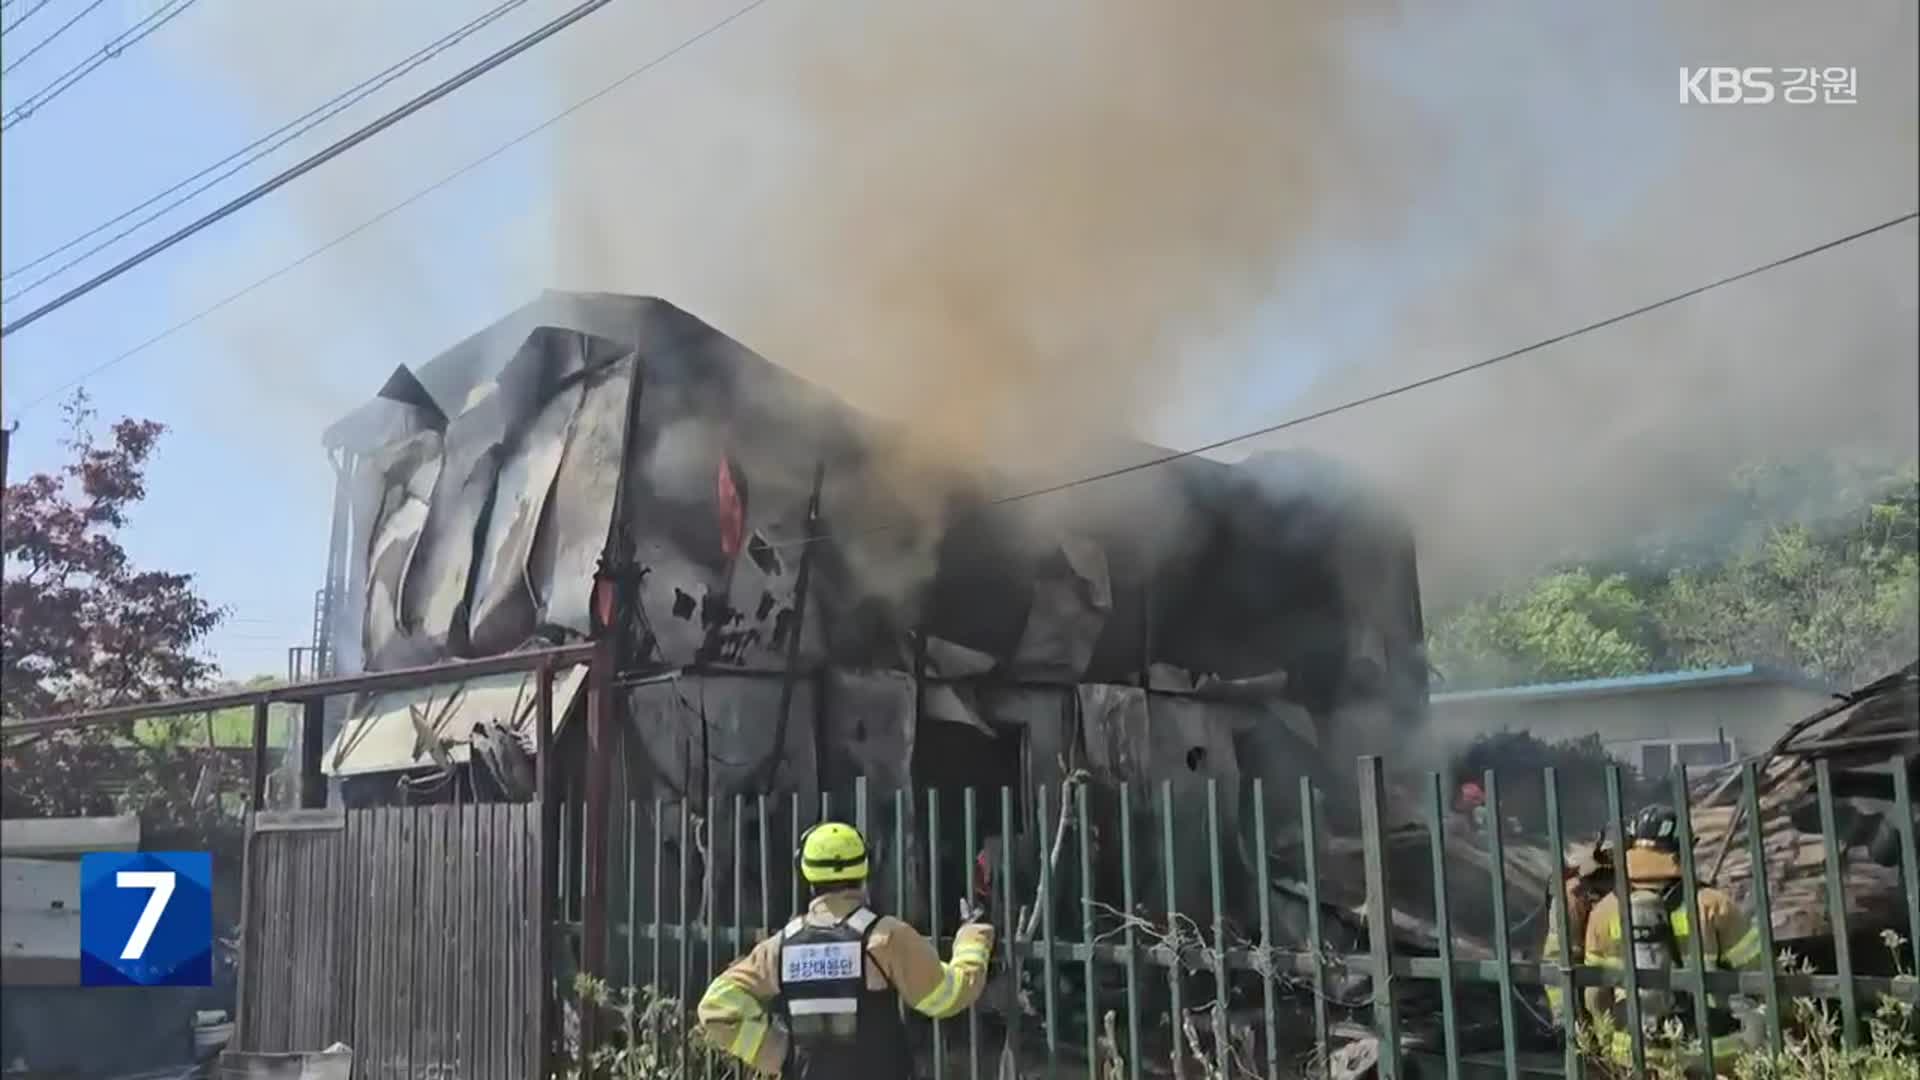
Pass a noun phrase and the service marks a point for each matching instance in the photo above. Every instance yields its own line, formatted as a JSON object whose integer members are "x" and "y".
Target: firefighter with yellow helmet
{"x": 817, "y": 999}
{"x": 1661, "y": 930}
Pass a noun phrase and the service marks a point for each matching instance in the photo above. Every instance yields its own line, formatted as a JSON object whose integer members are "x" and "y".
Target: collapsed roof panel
{"x": 383, "y": 736}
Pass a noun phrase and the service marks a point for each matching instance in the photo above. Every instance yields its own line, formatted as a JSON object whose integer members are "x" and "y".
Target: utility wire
{"x": 111, "y": 50}
{"x": 1417, "y": 384}
{"x": 257, "y": 283}
{"x": 75, "y": 75}
{"x": 249, "y": 154}
{"x": 24, "y": 16}
{"x": 42, "y": 43}
{"x": 308, "y": 165}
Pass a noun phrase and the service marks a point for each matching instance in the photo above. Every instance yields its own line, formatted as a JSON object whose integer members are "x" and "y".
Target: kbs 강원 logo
{"x": 146, "y": 919}
{"x": 1764, "y": 85}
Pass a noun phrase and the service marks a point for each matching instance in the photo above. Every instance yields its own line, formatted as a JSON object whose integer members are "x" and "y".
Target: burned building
{"x": 809, "y": 601}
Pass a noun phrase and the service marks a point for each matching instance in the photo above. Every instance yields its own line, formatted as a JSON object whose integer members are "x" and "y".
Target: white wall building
{"x": 1648, "y": 721}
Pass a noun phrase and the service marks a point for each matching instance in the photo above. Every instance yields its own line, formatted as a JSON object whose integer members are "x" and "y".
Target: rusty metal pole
{"x": 593, "y": 915}
{"x": 549, "y": 871}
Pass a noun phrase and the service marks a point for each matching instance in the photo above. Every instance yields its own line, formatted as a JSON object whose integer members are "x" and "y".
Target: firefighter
{"x": 1582, "y": 884}
{"x": 1661, "y": 927}
{"x": 817, "y": 999}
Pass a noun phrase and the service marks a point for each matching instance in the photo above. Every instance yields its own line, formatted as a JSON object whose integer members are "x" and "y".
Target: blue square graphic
{"x": 146, "y": 919}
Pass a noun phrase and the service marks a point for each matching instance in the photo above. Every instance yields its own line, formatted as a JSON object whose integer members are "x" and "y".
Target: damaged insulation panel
{"x": 485, "y": 486}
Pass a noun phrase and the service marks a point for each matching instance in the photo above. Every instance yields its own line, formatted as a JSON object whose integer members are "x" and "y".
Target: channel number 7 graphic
{"x": 146, "y": 919}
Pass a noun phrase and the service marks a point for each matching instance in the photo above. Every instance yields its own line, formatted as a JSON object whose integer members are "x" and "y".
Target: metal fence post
{"x": 1623, "y": 894}
{"x": 1837, "y": 905}
{"x": 1502, "y": 931}
{"x": 1762, "y": 901}
{"x": 549, "y": 859}
{"x": 1690, "y": 888}
{"x": 1443, "y": 921}
{"x": 1909, "y": 855}
{"x": 1386, "y": 1017}
{"x": 593, "y": 912}
{"x": 1177, "y": 1010}
{"x": 1570, "y": 1004}
{"x": 1316, "y": 939}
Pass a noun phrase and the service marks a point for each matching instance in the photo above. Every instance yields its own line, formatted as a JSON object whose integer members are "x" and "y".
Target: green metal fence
{"x": 1120, "y": 965}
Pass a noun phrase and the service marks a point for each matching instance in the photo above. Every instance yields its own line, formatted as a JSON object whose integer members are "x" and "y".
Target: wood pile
{"x": 1859, "y": 736}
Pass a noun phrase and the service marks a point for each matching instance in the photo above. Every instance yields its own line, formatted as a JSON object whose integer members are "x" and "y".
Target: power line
{"x": 43, "y": 42}
{"x": 24, "y": 16}
{"x": 73, "y": 75}
{"x": 302, "y": 168}
{"x": 257, "y": 283}
{"x": 251, "y": 153}
{"x": 1417, "y": 384}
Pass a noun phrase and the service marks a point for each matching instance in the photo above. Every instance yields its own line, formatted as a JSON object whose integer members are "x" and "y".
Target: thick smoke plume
{"x": 1020, "y": 230}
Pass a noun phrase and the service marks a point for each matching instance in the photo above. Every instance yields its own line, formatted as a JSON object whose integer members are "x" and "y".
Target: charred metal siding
{"x": 487, "y": 493}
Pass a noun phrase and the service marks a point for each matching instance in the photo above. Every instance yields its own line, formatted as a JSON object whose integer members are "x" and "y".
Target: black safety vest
{"x": 838, "y": 1028}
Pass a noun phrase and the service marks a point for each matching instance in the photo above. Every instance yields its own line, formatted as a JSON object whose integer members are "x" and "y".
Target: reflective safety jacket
{"x": 1729, "y": 941}
{"x": 742, "y": 1008}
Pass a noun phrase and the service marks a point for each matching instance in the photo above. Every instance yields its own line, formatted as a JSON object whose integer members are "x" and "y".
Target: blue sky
{"x": 236, "y": 497}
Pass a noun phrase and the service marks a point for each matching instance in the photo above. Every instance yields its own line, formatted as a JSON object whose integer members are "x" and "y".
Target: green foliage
{"x": 1816, "y": 567}
{"x": 649, "y": 1040}
{"x": 1569, "y": 625}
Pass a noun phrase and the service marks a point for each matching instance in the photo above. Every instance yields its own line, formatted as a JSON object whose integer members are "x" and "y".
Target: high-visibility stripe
{"x": 1746, "y": 950}
{"x": 941, "y": 1002}
{"x": 725, "y": 1000}
{"x": 823, "y": 1006}
{"x": 748, "y": 1039}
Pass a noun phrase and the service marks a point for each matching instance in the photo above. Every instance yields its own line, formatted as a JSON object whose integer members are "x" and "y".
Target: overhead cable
{"x": 249, "y": 154}
{"x": 23, "y": 17}
{"x": 1408, "y": 387}
{"x": 43, "y": 42}
{"x": 300, "y": 169}
{"x": 1450, "y": 373}
{"x": 112, "y": 49}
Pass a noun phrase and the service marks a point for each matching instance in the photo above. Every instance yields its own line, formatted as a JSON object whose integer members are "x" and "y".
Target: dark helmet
{"x": 1656, "y": 827}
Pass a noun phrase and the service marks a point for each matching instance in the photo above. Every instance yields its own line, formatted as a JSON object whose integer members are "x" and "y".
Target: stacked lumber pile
{"x": 1859, "y": 736}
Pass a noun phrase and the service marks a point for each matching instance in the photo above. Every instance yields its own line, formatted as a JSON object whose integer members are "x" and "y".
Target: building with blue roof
{"x": 1705, "y": 717}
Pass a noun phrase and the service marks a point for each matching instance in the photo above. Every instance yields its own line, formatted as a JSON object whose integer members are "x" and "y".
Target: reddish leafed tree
{"x": 84, "y": 629}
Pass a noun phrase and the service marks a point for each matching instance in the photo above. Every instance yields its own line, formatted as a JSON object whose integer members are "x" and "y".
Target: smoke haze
{"x": 1021, "y": 228}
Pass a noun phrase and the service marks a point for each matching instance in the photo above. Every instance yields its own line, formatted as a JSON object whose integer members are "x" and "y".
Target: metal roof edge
{"x": 1631, "y": 684}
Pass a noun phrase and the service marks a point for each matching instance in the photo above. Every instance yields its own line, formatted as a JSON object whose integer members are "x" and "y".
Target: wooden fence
{"x": 410, "y": 934}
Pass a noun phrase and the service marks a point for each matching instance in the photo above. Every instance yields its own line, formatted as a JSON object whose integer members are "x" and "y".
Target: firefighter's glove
{"x": 972, "y": 911}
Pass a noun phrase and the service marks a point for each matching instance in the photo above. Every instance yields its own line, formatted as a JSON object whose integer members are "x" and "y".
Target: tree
{"x": 1841, "y": 603}
{"x": 1811, "y": 565}
{"x": 1568, "y": 625}
{"x": 86, "y": 629}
